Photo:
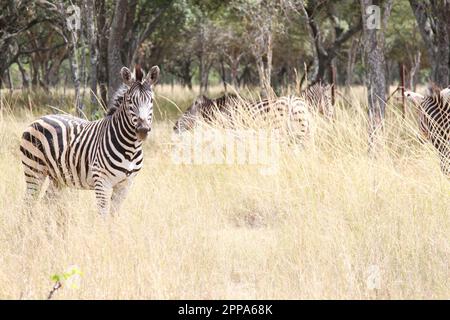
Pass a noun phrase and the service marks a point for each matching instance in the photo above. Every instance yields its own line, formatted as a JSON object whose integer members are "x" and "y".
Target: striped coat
{"x": 318, "y": 99}
{"x": 434, "y": 122}
{"x": 288, "y": 113}
{"x": 103, "y": 155}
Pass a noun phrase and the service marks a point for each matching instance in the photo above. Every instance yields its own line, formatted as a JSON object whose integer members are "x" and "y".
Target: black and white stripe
{"x": 289, "y": 112}
{"x": 318, "y": 99}
{"x": 434, "y": 122}
{"x": 103, "y": 155}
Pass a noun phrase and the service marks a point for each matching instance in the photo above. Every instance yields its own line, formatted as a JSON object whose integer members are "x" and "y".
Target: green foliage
{"x": 211, "y": 34}
{"x": 68, "y": 277}
{"x": 402, "y": 35}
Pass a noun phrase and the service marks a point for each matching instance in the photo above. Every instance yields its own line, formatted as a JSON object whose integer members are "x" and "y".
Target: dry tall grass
{"x": 332, "y": 223}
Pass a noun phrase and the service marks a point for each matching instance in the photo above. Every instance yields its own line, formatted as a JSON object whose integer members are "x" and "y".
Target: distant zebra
{"x": 206, "y": 109}
{"x": 434, "y": 121}
{"x": 292, "y": 111}
{"x": 318, "y": 99}
{"x": 103, "y": 155}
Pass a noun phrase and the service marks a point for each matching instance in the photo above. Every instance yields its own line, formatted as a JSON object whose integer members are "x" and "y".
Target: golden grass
{"x": 331, "y": 223}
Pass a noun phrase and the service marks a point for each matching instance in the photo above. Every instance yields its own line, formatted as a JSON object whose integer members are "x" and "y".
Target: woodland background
{"x": 83, "y": 44}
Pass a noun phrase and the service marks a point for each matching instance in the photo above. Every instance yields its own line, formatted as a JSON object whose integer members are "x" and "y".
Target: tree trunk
{"x": 204, "y": 77}
{"x": 441, "y": 72}
{"x": 8, "y": 78}
{"x": 72, "y": 34}
{"x": 436, "y": 39}
{"x": 1, "y": 98}
{"x": 234, "y": 68}
{"x": 261, "y": 74}
{"x": 413, "y": 73}
{"x": 269, "y": 59}
{"x": 323, "y": 59}
{"x": 115, "y": 43}
{"x": 76, "y": 80}
{"x": 351, "y": 60}
{"x": 186, "y": 75}
{"x": 102, "y": 42}
{"x": 93, "y": 50}
{"x": 375, "y": 72}
{"x": 223, "y": 75}
{"x": 51, "y": 75}
{"x": 34, "y": 68}
{"x": 25, "y": 77}
{"x": 200, "y": 72}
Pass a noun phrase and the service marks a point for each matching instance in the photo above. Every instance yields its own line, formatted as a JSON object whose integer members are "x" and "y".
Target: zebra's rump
{"x": 47, "y": 148}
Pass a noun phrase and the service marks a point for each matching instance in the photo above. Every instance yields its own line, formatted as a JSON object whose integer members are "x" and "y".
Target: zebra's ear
{"x": 153, "y": 75}
{"x": 126, "y": 75}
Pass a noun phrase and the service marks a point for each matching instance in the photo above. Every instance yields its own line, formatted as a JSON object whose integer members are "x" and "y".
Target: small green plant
{"x": 70, "y": 278}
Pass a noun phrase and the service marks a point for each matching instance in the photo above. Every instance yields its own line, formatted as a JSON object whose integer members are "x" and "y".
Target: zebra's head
{"x": 189, "y": 118}
{"x": 138, "y": 99}
{"x": 431, "y": 108}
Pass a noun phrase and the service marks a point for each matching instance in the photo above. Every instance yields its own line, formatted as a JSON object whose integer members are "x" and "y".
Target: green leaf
{"x": 55, "y": 277}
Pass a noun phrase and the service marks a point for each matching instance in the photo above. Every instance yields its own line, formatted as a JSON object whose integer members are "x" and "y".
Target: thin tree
{"x": 434, "y": 25}
{"x": 375, "y": 66}
{"x": 90, "y": 14}
{"x": 326, "y": 53}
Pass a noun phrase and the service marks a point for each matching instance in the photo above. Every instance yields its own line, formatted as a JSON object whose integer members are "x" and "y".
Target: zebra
{"x": 103, "y": 155}
{"x": 318, "y": 99}
{"x": 434, "y": 121}
{"x": 204, "y": 108}
{"x": 291, "y": 111}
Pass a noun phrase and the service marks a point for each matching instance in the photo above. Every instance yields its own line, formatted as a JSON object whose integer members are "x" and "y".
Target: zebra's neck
{"x": 121, "y": 123}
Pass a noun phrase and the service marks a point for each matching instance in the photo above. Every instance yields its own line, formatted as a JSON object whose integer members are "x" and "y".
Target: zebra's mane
{"x": 117, "y": 100}
{"x": 118, "y": 97}
{"x": 434, "y": 99}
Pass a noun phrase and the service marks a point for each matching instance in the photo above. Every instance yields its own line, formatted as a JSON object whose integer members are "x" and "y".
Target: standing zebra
{"x": 290, "y": 113}
{"x": 434, "y": 122}
{"x": 103, "y": 155}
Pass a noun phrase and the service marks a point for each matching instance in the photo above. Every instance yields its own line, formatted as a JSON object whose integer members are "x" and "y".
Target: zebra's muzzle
{"x": 142, "y": 132}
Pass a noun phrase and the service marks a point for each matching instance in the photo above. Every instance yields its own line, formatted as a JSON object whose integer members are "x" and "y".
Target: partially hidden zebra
{"x": 318, "y": 99}
{"x": 206, "y": 109}
{"x": 289, "y": 112}
{"x": 103, "y": 155}
{"x": 434, "y": 121}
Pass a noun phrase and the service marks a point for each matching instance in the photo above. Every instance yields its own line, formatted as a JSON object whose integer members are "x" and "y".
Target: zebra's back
{"x": 50, "y": 147}
{"x": 288, "y": 112}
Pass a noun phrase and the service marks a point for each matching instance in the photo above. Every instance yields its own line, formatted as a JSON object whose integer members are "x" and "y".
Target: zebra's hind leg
{"x": 34, "y": 181}
{"x": 59, "y": 212}
{"x": 52, "y": 194}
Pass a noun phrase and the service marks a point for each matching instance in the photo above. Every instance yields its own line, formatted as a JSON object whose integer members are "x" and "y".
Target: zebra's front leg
{"x": 118, "y": 195}
{"x": 103, "y": 194}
